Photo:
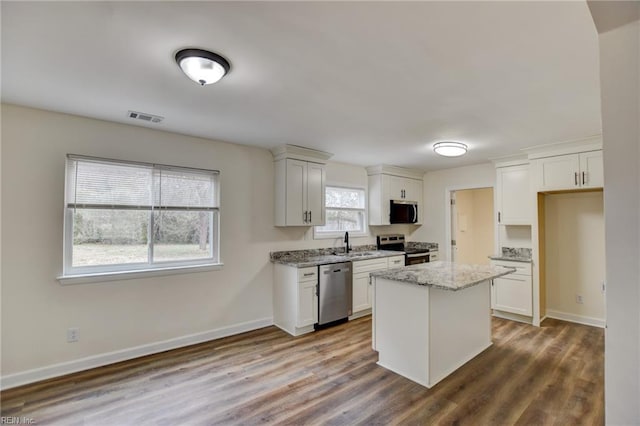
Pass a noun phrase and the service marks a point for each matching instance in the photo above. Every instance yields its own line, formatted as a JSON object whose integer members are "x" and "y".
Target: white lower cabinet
{"x": 396, "y": 261}
{"x": 295, "y": 298}
{"x": 307, "y": 303}
{"x": 362, "y": 288}
{"x": 513, "y": 293}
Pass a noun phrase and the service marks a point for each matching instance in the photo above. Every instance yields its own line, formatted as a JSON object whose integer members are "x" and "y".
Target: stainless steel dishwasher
{"x": 334, "y": 293}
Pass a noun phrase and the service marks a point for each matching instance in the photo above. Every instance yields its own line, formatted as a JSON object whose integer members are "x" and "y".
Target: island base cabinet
{"x": 434, "y": 333}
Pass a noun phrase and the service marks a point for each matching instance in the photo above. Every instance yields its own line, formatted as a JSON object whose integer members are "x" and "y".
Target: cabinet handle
{"x": 310, "y": 217}
{"x": 304, "y": 217}
{"x": 575, "y": 178}
{"x": 498, "y": 217}
{"x": 584, "y": 178}
{"x": 308, "y": 274}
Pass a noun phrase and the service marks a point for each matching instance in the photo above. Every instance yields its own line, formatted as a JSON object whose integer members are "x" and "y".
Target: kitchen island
{"x": 430, "y": 319}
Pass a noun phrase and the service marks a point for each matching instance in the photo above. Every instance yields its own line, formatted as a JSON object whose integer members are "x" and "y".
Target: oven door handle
{"x": 425, "y": 254}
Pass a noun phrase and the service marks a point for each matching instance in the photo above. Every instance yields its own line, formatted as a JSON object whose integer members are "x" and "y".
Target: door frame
{"x": 447, "y": 216}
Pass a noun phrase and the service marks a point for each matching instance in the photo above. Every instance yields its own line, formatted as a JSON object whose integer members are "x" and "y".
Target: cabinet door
{"x": 307, "y": 304}
{"x": 316, "y": 193}
{"x": 413, "y": 190}
{"x": 512, "y": 293}
{"x": 514, "y": 195}
{"x": 361, "y": 299}
{"x": 397, "y": 187}
{"x": 591, "y": 169}
{"x": 560, "y": 172}
{"x": 296, "y": 190}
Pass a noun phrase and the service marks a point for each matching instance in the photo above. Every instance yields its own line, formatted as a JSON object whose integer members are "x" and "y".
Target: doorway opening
{"x": 472, "y": 225}
{"x": 571, "y": 256}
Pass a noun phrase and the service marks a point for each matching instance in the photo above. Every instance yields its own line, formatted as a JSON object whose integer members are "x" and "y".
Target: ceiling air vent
{"x": 150, "y": 118}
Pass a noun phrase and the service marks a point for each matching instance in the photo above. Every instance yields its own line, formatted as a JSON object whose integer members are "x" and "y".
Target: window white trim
{"x": 110, "y": 272}
{"x": 339, "y": 234}
{"x": 129, "y": 275}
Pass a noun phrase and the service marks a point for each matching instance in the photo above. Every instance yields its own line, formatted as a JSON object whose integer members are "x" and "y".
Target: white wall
{"x": 37, "y": 310}
{"x": 619, "y": 27}
{"x": 574, "y": 250}
{"x": 132, "y": 316}
{"x": 514, "y": 236}
{"x": 437, "y": 223}
{"x": 120, "y": 315}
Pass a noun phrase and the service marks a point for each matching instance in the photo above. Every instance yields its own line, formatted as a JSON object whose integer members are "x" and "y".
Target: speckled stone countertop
{"x": 444, "y": 275}
{"x": 415, "y": 245}
{"x": 315, "y": 257}
{"x": 514, "y": 254}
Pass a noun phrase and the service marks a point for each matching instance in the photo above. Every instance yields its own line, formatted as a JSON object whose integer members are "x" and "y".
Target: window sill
{"x": 129, "y": 275}
{"x": 328, "y": 236}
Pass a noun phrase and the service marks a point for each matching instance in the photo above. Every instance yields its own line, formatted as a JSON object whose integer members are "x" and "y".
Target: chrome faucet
{"x": 346, "y": 242}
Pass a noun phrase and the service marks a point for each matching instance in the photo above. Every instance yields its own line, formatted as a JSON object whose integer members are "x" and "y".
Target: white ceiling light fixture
{"x": 450, "y": 149}
{"x": 202, "y": 66}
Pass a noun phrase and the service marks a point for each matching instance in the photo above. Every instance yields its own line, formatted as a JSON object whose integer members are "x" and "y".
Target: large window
{"x": 123, "y": 216}
{"x": 345, "y": 211}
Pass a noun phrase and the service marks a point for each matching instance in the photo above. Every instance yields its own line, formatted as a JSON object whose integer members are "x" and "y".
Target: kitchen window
{"x": 345, "y": 211}
{"x": 131, "y": 217}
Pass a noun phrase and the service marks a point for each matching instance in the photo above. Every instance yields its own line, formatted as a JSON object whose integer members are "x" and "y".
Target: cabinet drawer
{"x": 369, "y": 265}
{"x": 522, "y": 268}
{"x": 396, "y": 262}
{"x": 308, "y": 274}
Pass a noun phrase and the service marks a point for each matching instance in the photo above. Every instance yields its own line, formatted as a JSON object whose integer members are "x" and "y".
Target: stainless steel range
{"x": 396, "y": 242}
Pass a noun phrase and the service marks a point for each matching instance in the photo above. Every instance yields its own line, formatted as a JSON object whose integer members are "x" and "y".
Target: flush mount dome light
{"x": 450, "y": 149}
{"x": 202, "y": 66}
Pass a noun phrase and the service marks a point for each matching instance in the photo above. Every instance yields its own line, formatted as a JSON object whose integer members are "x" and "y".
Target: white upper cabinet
{"x": 514, "y": 195}
{"x": 591, "y": 169}
{"x": 571, "y": 171}
{"x": 299, "y": 193}
{"x": 299, "y": 186}
{"x": 388, "y": 183}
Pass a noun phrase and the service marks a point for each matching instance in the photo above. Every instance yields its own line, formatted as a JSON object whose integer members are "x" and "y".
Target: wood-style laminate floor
{"x": 530, "y": 376}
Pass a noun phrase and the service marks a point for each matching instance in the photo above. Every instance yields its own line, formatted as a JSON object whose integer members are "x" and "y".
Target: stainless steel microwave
{"x": 403, "y": 211}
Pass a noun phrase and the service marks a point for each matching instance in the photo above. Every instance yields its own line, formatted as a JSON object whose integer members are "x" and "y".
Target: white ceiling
{"x": 371, "y": 82}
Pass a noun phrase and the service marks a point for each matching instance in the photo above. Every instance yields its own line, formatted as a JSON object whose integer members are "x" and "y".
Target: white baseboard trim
{"x": 579, "y": 319}
{"x": 512, "y": 317}
{"x": 360, "y": 314}
{"x": 56, "y": 370}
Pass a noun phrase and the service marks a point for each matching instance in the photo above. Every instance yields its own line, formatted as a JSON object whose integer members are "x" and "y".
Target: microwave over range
{"x": 403, "y": 211}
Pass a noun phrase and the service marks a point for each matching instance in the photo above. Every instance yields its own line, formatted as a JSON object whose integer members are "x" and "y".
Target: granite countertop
{"x": 513, "y": 254}
{"x": 444, "y": 275}
{"x": 306, "y": 258}
{"x": 511, "y": 258}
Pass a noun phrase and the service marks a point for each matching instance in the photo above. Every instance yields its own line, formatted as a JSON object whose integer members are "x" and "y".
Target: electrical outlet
{"x": 73, "y": 334}
{"x": 579, "y": 299}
